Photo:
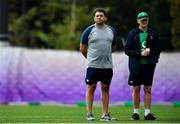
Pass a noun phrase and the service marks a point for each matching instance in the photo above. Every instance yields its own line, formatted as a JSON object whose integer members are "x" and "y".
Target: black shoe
{"x": 135, "y": 116}
{"x": 150, "y": 116}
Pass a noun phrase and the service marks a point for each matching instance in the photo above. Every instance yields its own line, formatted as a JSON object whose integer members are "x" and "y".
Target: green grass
{"x": 75, "y": 114}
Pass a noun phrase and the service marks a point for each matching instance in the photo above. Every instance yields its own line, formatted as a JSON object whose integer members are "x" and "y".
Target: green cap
{"x": 142, "y": 16}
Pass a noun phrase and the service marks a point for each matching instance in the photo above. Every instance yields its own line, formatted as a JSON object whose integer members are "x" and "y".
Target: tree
{"x": 58, "y": 24}
{"x": 175, "y": 30}
{"x": 35, "y": 26}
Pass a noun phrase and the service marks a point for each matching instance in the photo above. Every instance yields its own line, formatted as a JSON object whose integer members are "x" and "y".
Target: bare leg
{"x": 136, "y": 96}
{"x": 105, "y": 98}
{"x": 90, "y": 97}
{"x": 147, "y": 97}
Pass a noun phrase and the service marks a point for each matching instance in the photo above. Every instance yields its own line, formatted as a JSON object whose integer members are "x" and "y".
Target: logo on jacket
{"x": 151, "y": 37}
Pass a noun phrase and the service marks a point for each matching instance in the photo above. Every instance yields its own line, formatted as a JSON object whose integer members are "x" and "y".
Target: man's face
{"x": 100, "y": 18}
{"x": 143, "y": 23}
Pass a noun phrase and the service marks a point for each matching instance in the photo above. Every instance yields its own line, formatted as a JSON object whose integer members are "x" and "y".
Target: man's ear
{"x": 138, "y": 21}
{"x": 106, "y": 18}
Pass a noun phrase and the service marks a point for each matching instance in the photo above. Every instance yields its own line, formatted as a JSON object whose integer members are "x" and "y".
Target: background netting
{"x": 28, "y": 75}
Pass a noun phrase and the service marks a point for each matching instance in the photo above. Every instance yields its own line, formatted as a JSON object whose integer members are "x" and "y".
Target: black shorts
{"x": 94, "y": 75}
{"x": 144, "y": 77}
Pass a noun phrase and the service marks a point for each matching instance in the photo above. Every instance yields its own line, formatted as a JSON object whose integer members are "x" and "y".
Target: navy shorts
{"x": 144, "y": 77}
{"x": 93, "y": 75}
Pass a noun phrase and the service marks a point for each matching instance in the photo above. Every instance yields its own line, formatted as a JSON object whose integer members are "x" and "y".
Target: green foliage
{"x": 56, "y": 24}
{"x": 48, "y": 25}
{"x": 175, "y": 30}
{"x": 39, "y": 26}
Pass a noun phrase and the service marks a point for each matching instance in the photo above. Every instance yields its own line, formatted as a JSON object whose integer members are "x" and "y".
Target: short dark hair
{"x": 100, "y": 10}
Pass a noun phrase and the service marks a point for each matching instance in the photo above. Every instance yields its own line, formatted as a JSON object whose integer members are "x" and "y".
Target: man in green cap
{"x": 143, "y": 48}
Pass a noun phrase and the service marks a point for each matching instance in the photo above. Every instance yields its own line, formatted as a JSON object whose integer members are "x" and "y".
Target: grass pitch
{"x": 76, "y": 114}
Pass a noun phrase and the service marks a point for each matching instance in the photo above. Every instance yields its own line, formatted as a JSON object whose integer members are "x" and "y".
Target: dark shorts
{"x": 144, "y": 77}
{"x": 93, "y": 75}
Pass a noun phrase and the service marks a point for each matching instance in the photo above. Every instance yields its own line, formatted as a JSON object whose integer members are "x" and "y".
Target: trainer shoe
{"x": 135, "y": 116}
{"x": 106, "y": 117}
{"x": 150, "y": 116}
{"x": 90, "y": 116}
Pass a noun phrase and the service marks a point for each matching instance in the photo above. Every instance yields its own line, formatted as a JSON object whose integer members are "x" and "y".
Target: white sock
{"x": 136, "y": 110}
{"x": 146, "y": 112}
